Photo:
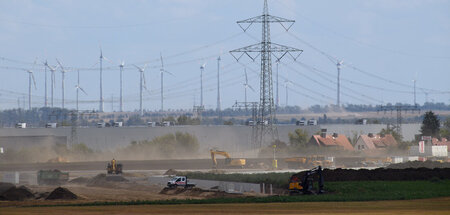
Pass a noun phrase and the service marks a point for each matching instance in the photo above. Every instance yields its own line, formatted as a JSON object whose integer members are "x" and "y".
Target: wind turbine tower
{"x": 162, "y": 71}
{"x": 45, "y": 83}
{"x": 218, "y": 85}
{"x": 141, "y": 86}
{"x": 52, "y": 77}
{"x": 63, "y": 72}
{"x": 339, "y": 65}
{"x": 246, "y": 85}
{"x": 101, "y": 81}
{"x": 31, "y": 81}
{"x": 122, "y": 64}
{"x": 78, "y": 87}
{"x": 202, "y": 69}
{"x": 278, "y": 97}
{"x": 286, "y": 84}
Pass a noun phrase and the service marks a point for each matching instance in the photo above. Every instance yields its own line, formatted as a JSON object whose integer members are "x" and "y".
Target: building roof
{"x": 339, "y": 141}
{"x": 376, "y": 141}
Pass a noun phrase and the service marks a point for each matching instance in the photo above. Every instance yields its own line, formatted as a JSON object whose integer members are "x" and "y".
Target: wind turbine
{"x": 246, "y": 85}
{"x": 218, "y": 85}
{"x": 122, "y": 64}
{"x": 63, "y": 72}
{"x": 141, "y": 86}
{"x": 78, "y": 87}
{"x": 162, "y": 71}
{"x": 101, "y": 81}
{"x": 30, "y": 80}
{"x": 278, "y": 97}
{"x": 286, "y": 84}
{"x": 202, "y": 69}
{"x": 52, "y": 75}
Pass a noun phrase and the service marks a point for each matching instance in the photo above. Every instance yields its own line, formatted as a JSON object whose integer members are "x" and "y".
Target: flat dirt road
{"x": 419, "y": 207}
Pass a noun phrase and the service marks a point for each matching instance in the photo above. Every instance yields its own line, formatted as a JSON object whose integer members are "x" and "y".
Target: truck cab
{"x": 181, "y": 181}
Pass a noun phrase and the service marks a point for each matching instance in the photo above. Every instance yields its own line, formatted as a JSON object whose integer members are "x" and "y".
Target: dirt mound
{"x": 16, "y": 194}
{"x": 197, "y": 192}
{"x": 103, "y": 180}
{"x": 419, "y": 164}
{"x": 79, "y": 180}
{"x": 61, "y": 193}
{"x": 171, "y": 172}
{"x": 5, "y": 186}
{"x": 382, "y": 174}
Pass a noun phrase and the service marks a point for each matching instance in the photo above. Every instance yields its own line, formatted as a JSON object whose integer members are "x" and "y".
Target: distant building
{"x": 337, "y": 141}
{"x": 430, "y": 147}
{"x": 371, "y": 142}
{"x": 442, "y": 142}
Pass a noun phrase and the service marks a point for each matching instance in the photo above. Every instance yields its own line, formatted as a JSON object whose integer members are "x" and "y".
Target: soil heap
{"x": 16, "y": 194}
{"x": 61, "y": 193}
{"x": 419, "y": 164}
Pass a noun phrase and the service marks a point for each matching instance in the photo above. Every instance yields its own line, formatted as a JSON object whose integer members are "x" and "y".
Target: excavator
{"x": 114, "y": 167}
{"x": 305, "y": 185}
{"x": 230, "y": 162}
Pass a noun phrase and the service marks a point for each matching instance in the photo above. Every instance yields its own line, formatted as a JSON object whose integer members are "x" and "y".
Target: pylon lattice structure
{"x": 399, "y": 109}
{"x": 265, "y": 125}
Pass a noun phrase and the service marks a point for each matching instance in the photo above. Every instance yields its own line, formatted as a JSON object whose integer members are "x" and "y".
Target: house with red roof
{"x": 373, "y": 142}
{"x": 337, "y": 141}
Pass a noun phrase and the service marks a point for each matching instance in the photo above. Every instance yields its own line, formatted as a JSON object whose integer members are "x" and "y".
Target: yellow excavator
{"x": 230, "y": 162}
{"x": 114, "y": 168}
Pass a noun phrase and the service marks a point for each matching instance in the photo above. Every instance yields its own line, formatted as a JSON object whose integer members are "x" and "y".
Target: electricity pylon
{"x": 266, "y": 49}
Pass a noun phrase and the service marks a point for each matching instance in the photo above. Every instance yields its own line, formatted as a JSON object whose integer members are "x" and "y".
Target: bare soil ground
{"x": 419, "y": 207}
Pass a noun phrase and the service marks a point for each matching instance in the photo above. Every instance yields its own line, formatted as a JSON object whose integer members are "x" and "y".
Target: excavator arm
{"x": 215, "y": 152}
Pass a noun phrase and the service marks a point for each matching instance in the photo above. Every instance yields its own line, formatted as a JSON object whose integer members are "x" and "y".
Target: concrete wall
{"x": 438, "y": 151}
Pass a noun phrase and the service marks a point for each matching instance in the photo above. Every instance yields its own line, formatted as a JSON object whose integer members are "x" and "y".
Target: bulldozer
{"x": 229, "y": 162}
{"x": 306, "y": 184}
{"x": 114, "y": 167}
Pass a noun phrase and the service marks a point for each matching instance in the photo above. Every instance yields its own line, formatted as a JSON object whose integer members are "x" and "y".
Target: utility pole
{"x": 45, "y": 72}
{"x": 266, "y": 111}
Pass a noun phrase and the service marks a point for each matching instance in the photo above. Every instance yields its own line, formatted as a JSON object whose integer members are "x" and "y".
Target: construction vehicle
{"x": 114, "y": 167}
{"x": 229, "y": 162}
{"x": 52, "y": 177}
{"x": 180, "y": 181}
{"x": 58, "y": 159}
{"x": 306, "y": 184}
{"x": 309, "y": 162}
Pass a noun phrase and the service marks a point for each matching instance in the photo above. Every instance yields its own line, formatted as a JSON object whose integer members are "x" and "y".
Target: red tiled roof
{"x": 329, "y": 140}
{"x": 378, "y": 142}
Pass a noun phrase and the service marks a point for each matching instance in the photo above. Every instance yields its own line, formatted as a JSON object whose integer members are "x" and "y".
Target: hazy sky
{"x": 384, "y": 44}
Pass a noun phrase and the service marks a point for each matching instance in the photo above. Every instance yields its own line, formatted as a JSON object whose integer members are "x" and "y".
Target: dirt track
{"x": 419, "y": 207}
{"x": 128, "y": 165}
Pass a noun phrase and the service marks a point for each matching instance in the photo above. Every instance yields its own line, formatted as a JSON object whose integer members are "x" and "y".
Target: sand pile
{"x": 61, "y": 193}
{"x": 16, "y": 194}
{"x": 79, "y": 180}
{"x": 171, "y": 172}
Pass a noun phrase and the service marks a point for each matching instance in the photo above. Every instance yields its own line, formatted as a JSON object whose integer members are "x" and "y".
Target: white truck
{"x": 118, "y": 124}
{"x": 51, "y": 125}
{"x": 21, "y": 125}
{"x": 180, "y": 181}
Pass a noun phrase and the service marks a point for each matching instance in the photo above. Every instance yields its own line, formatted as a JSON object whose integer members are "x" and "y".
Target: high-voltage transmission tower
{"x": 266, "y": 49}
{"x": 399, "y": 109}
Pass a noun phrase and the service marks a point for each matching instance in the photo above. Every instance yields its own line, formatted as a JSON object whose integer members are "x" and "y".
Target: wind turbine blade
{"x": 107, "y": 59}
{"x": 168, "y": 72}
{"x": 139, "y": 68}
{"x": 145, "y": 83}
{"x": 145, "y": 66}
{"x": 162, "y": 62}
{"x": 246, "y": 79}
{"x": 34, "y": 80}
{"x": 251, "y": 88}
{"x": 82, "y": 90}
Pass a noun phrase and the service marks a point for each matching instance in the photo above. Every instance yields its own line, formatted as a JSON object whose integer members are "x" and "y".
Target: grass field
{"x": 419, "y": 207}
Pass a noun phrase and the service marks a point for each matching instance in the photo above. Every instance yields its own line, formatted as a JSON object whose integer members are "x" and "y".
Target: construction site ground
{"x": 413, "y": 207}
